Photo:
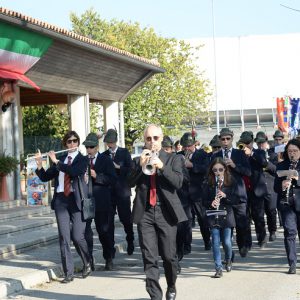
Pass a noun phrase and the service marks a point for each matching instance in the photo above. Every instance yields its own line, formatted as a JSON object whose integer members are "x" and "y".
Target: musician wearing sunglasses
{"x": 66, "y": 172}
{"x": 120, "y": 191}
{"x": 196, "y": 162}
{"x": 103, "y": 176}
{"x": 157, "y": 210}
{"x": 219, "y": 194}
{"x": 287, "y": 187}
{"x": 237, "y": 162}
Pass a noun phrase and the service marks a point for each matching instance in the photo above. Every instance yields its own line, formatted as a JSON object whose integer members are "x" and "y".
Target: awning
{"x": 16, "y": 76}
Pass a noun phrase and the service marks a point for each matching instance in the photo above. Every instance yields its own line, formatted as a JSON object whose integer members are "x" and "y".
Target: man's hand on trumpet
{"x": 145, "y": 157}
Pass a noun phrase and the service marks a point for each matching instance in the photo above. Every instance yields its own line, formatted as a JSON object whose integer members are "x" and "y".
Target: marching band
{"x": 228, "y": 188}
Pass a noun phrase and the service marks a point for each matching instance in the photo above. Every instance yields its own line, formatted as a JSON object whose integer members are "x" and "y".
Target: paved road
{"x": 262, "y": 275}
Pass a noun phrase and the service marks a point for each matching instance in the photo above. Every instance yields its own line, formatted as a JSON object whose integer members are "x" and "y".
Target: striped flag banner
{"x": 19, "y": 50}
{"x": 295, "y": 115}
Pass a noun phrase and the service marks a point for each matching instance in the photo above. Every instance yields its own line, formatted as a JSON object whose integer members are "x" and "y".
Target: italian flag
{"x": 19, "y": 50}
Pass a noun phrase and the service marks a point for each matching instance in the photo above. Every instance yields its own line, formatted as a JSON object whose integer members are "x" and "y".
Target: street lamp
{"x": 215, "y": 66}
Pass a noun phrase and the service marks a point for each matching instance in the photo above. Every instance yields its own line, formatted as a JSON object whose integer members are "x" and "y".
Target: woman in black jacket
{"x": 287, "y": 186}
{"x": 66, "y": 202}
{"x": 219, "y": 195}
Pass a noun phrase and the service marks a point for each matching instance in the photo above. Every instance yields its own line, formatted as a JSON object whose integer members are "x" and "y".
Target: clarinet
{"x": 293, "y": 165}
{"x": 219, "y": 183}
{"x": 226, "y": 152}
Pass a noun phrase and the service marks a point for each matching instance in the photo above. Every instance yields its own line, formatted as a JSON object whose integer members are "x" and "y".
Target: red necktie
{"x": 152, "y": 190}
{"x": 92, "y": 163}
{"x": 67, "y": 180}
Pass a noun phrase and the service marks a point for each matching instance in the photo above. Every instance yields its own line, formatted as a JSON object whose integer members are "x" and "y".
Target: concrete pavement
{"x": 262, "y": 275}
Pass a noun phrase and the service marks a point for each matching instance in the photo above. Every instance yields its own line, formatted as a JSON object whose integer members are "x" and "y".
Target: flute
{"x": 46, "y": 154}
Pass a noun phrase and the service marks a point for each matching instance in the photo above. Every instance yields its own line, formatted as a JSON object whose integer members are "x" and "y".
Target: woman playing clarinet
{"x": 219, "y": 197}
{"x": 287, "y": 186}
{"x": 67, "y": 171}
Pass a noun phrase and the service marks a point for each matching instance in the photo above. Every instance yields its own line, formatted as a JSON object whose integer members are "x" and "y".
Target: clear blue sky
{"x": 175, "y": 18}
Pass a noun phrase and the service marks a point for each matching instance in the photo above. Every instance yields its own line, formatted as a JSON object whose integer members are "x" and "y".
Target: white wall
{"x": 251, "y": 70}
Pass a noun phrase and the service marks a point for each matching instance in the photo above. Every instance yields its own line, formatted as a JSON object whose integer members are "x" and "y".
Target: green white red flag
{"x": 20, "y": 49}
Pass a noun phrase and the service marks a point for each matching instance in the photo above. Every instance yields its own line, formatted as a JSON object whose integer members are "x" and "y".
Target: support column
{"x": 17, "y": 141}
{"x": 112, "y": 119}
{"x": 79, "y": 115}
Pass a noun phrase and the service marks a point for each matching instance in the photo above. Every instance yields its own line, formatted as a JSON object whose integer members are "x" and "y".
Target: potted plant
{"x": 8, "y": 164}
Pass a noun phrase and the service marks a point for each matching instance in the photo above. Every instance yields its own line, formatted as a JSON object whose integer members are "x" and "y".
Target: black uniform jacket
{"x": 200, "y": 161}
{"x": 242, "y": 169}
{"x": 294, "y": 195}
{"x": 123, "y": 159}
{"x": 75, "y": 170}
{"x": 105, "y": 178}
{"x": 258, "y": 162}
{"x": 168, "y": 180}
{"x": 209, "y": 194}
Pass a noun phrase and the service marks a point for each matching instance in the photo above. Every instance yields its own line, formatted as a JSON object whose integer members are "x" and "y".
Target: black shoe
{"x": 92, "y": 264}
{"x": 109, "y": 265}
{"x": 292, "y": 269}
{"x": 218, "y": 274}
{"x": 171, "y": 294}
{"x": 243, "y": 251}
{"x": 228, "y": 266}
{"x": 207, "y": 246}
{"x": 86, "y": 271}
{"x": 130, "y": 248}
{"x": 67, "y": 279}
{"x": 272, "y": 236}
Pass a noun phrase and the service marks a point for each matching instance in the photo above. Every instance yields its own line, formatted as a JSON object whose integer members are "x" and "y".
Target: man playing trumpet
{"x": 157, "y": 210}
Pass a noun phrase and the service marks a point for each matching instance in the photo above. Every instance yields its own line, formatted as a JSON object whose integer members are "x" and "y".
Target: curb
{"x": 13, "y": 286}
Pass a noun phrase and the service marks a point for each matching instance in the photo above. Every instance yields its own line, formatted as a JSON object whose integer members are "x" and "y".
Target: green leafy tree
{"x": 54, "y": 123}
{"x": 172, "y": 99}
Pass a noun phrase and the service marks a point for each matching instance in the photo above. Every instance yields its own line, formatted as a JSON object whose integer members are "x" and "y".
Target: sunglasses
{"x": 150, "y": 138}
{"x": 215, "y": 170}
{"x": 226, "y": 139}
{"x": 74, "y": 141}
{"x": 90, "y": 147}
{"x": 216, "y": 147}
{"x": 278, "y": 139}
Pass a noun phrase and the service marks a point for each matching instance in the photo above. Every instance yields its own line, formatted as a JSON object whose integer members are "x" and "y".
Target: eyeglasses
{"x": 74, "y": 141}
{"x": 215, "y": 170}
{"x": 226, "y": 139}
{"x": 150, "y": 138}
{"x": 216, "y": 147}
{"x": 90, "y": 147}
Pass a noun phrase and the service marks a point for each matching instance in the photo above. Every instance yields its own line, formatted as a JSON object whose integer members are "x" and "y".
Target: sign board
{"x": 37, "y": 190}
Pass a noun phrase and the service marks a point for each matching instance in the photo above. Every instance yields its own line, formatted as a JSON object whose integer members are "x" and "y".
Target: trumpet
{"x": 47, "y": 153}
{"x": 149, "y": 168}
{"x": 241, "y": 146}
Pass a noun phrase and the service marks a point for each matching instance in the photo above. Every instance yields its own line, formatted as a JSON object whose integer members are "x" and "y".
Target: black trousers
{"x": 122, "y": 205}
{"x": 157, "y": 236}
{"x": 184, "y": 234}
{"x": 104, "y": 226}
{"x": 243, "y": 228}
{"x": 200, "y": 211}
{"x": 291, "y": 223}
{"x": 271, "y": 212}
{"x": 70, "y": 226}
